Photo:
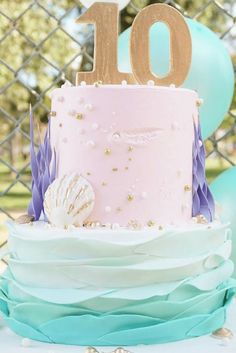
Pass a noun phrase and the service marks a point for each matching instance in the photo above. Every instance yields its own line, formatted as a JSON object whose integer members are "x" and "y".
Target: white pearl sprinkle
{"x": 26, "y": 342}
{"x": 200, "y": 143}
{"x": 83, "y": 83}
{"x": 107, "y": 209}
{"x": 144, "y": 195}
{"x": 116, "y": 136}
{"x": 90, "y": 143}
{"x": 150, "y": 83}
{"x": 115, "y": 226}
{"x": 124, "y": 83}
{"x": 172, "y": 85}
{"x": 88, "y": 106}
{"x": 95, "y": 126}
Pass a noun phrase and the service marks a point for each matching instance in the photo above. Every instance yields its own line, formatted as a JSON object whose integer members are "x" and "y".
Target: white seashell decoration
{"x": 69, "y": 201}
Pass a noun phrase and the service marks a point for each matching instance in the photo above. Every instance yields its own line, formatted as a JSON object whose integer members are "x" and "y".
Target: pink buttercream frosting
{"x": 133, "y": 144}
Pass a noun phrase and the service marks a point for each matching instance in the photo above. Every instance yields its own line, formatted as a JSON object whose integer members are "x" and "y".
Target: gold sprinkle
{"x": 114, "y": 169}
{"x": 126, "y": 168}
{"x": 201, "y": 219}
{"x": 52, "y": 113}
{"x": 104, "y": 183}
{"x": 223, "y": 333}
{"x": 107, "y": 151}
{"x": 151, "y": 223}
{"x": 97, "y": 84}
{"x": 88, "y": 173}
{"x": 187, "y": 188}
{"x": 130, "y": 197}
{"x": 79, "y": 116}
{"x": 130, "y": 148}
{"x": 134, "y": 224}
{"x": 130, "y": 159}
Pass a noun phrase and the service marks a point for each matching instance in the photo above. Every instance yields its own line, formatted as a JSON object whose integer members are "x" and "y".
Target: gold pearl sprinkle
{"x": 187, "y": 188}
{"x": 115, "y": 169}
{"x": 79, "y": 116}
{"x": 130, "y": 159}
{"x": 223, "y": 333}
{"x": 88, "y": 173}
{"x": 134, "y": 224}
{"x": 130, "y": 197}
{"x": 199, "y": 102}
{"x": 130, "y": 148}
{"x": 126, "y": 168}
{"x": 104, "y": 183}
{"x": 151, "y": 223}
{"x": 107, "y": 151}
{"x": 52, "y": 114}
{"x": 201, "y": 219}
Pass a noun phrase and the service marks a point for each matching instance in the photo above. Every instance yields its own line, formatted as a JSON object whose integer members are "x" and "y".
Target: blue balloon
{"x": 224, "y": 192}
{"x": 211, "y": 72}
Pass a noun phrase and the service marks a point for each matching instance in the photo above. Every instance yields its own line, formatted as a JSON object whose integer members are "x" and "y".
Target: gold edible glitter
{"x": 114, "y": 169}
{"x": 79, "y": 116}
{"x": 104, "y": 183}
{"x": 134, "y": 224}
{"x": 187, "y": 188}
{"x": 126, "y": 168}
{"x": 151, "y": 223}
{"x": 88, "y": 173}
{"x": 52, "y": 113}
{"x": 130, "y": 197}
{"x": 107, "y": 151}
{"x": 130, "y": 148}
{"x": 130, "y": 159}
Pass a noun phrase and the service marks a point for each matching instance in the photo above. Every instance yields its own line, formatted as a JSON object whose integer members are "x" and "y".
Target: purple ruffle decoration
{"x": 203, "y": 202}
{"x": 43, "y": 169}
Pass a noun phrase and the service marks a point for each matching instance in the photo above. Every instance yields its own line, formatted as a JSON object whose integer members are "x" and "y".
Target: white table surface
{"x": 11, "y": 343}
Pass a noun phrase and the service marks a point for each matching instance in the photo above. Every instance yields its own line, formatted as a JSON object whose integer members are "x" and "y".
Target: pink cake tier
{"x": 133, "y": 144}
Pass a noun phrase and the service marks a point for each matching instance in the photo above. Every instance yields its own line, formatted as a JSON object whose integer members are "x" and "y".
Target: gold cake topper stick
{"x": 105, "y": 16}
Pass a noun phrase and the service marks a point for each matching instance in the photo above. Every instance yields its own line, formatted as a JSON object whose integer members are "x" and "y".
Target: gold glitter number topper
{"x": 105, "y": 17}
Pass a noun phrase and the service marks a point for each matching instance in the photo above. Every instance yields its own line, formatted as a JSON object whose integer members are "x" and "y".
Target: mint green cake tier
{"x": 116, "y": 287}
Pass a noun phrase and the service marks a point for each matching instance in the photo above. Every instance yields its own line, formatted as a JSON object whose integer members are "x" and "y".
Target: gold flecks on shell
{"x": 25, "y": 218}
{"x": 223, "y": 333}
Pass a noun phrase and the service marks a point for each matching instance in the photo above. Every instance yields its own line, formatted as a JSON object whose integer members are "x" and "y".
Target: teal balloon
{"x": 211, "y": 72}
{"x": 224, "y": 192}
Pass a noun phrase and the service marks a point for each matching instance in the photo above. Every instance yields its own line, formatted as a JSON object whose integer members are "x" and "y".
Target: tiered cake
{"x": 127, "y": 250}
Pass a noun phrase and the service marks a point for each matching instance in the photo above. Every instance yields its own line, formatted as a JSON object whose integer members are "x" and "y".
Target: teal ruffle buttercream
{"x": 116, "y": 288}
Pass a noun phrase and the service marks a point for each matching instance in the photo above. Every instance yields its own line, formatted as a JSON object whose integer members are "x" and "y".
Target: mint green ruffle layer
{"x": 154, "y": 321}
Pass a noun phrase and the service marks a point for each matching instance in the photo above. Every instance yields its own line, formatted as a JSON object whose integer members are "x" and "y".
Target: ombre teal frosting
{"x": 116, "y": 287}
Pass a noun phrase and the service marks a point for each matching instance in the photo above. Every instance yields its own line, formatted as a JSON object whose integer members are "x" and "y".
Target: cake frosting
{"x": 117, "y": 287}
{"x": 133, "y": 144}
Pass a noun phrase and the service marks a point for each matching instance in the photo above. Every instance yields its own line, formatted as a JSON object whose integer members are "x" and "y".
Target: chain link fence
{"x": 40, "y": 48}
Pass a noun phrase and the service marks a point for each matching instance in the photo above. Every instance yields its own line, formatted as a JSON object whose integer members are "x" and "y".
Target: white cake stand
{"x": 11, "y": 343}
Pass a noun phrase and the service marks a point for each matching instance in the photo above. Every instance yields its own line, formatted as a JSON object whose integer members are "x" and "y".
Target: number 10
{"x": 105, "y": 17}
